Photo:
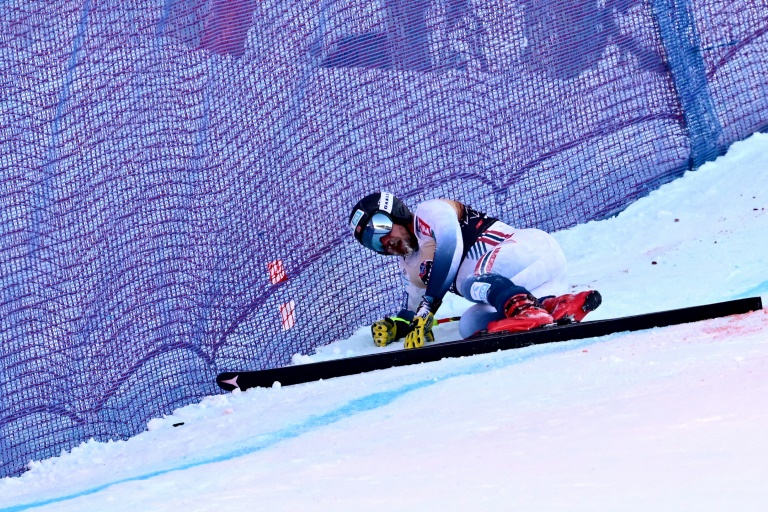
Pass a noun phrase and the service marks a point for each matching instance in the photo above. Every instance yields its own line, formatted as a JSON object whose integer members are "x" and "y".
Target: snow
{"x": 666, "y": 419}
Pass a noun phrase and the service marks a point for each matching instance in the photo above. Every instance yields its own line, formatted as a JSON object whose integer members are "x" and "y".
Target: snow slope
{"x": 665, "y": 419}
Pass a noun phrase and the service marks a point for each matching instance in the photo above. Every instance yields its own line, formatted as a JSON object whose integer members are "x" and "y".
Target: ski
{"x": 482, "y": 344}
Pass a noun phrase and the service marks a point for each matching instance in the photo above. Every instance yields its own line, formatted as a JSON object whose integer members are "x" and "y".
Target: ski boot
{"x": 523, "y": 314}
{"x": 572, "y": 307}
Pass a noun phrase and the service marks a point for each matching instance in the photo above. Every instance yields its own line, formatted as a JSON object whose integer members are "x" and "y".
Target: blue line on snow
{"x": 351, "y": 408}
{"x": 761, "y": 289}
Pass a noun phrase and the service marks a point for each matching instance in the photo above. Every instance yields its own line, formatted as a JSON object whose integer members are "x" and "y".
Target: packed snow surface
{"x": 667, "y": 419}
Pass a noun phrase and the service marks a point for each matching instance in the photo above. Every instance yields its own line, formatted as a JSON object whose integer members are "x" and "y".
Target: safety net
{"x": 177, "y": 175}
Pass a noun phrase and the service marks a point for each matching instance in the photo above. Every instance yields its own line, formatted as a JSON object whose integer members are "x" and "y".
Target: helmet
{"x": 373, "y": 216}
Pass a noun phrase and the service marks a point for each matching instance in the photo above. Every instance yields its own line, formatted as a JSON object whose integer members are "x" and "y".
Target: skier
{"x": 448, "y": 246}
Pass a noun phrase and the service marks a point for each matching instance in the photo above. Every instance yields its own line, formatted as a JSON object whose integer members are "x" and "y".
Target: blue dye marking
{"x": 357, "y": 406}
{"x": 761, "y": 289}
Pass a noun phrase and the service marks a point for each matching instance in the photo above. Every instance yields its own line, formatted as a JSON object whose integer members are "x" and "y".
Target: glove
{"x": 388, "y": 329}
{"x": 421, "y": 326}
{"x": 421, "y": 331}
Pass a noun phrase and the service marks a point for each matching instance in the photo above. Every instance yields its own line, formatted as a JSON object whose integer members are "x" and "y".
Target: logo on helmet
{"x": 386, "y": 202}
{"x": 355, "y": 220}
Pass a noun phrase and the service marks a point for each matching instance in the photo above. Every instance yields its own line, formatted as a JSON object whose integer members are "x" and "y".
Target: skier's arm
{"x": 435, "y": 220}
{"x": 439, "y": 220}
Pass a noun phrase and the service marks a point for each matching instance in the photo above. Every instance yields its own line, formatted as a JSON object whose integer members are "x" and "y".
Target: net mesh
{"x": 177, "y": 174}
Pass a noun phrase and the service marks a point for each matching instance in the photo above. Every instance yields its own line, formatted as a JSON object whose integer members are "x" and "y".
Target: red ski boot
{"x": 523, "y": 314}
{"x": 570, "y": 308}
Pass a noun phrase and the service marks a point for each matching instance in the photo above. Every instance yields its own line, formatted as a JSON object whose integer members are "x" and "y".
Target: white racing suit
{"x": 466, "y": 252}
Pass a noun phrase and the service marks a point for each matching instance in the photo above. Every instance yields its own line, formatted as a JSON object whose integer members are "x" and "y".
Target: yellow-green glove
{"x": 387, "y": 330}
{"x": 383, "y": 331}
{"x": 421, "y": 331}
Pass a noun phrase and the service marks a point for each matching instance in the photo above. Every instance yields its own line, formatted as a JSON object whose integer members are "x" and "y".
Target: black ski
{"x": 480, "y": 345}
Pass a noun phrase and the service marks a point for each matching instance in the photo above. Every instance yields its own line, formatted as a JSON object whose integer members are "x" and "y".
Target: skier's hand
{"x": 383, "y": 331}
{"x": 388, "y": 329}
{"x": 421, "y": 325}
{"x": 421, "y": 331}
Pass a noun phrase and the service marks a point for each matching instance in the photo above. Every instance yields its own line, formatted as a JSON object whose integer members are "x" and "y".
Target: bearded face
{"x": 400, "y": 242}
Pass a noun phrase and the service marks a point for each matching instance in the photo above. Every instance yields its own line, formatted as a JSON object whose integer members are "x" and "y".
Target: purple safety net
{"x": 177, "y": 174}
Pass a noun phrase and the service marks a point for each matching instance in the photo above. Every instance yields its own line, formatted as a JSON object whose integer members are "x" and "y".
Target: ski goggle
{"x": 379, "y": 226}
